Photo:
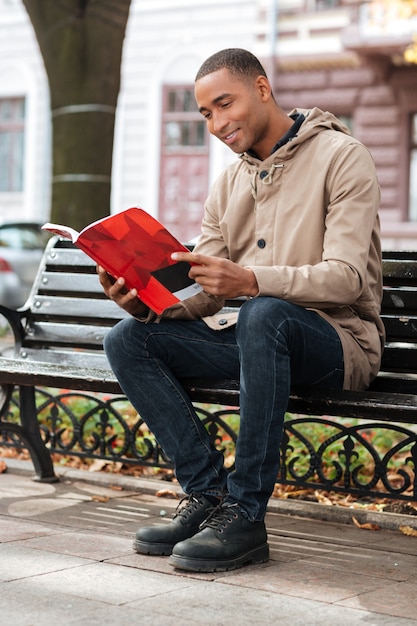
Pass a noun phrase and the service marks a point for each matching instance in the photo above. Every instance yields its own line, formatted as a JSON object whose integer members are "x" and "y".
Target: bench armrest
{"x": 14, "y": 318}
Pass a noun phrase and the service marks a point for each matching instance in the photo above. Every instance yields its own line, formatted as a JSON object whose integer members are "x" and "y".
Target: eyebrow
{"x": 216, "y": 101}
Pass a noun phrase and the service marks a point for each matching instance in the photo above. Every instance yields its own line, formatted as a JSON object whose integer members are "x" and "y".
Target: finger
{"x": 118, "y": 288}
{"x": 193, "y": 258}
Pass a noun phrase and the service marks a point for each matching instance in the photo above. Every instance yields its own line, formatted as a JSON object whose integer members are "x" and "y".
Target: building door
{"x": 184, "y": 163}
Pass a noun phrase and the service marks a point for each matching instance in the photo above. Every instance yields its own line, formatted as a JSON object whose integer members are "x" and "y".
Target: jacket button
{"x": 261, "y": 243}
{"x": 222, "y": 322}
{"x": 263, "y": 174}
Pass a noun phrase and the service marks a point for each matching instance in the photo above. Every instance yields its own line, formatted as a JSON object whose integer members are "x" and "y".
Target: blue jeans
{"x": 275, "y": 344}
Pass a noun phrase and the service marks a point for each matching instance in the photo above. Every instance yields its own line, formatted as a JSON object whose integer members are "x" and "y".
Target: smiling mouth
{"x": 229, "y": 138}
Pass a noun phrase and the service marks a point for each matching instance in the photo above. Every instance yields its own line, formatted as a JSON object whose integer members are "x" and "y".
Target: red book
{"x": 134, "y": 245}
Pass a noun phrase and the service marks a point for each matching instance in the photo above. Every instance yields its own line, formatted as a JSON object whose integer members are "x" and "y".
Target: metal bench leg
{"x": 40, "y": 455}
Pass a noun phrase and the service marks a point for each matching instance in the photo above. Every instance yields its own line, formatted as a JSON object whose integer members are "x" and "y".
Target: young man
{"x": 292, "y": 226}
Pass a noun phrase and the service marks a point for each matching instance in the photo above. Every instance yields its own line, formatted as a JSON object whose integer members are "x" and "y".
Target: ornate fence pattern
{"x": 352, "y": 456}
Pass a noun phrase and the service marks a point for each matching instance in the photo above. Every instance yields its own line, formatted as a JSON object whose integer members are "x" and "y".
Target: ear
{"x": 263, "y": 87}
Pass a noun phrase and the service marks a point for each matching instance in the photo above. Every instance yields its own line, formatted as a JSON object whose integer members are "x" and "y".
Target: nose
{"x": 217, "y": 123}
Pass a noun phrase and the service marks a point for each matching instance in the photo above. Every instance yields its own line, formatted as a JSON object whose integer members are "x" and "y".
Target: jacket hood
{"x": 316, "y": 121}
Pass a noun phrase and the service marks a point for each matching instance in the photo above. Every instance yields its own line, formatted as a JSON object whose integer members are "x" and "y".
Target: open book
{"x": 134, "y": 245}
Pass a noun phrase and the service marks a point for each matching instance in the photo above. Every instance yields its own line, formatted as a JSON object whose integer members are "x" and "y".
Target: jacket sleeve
{"x": 196, "y": 307}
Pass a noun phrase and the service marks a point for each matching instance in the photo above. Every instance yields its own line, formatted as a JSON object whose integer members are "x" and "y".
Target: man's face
{"x": 235, "y": 110}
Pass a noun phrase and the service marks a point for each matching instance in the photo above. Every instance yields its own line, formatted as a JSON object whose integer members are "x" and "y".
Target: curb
{"x": 299, "y": 508}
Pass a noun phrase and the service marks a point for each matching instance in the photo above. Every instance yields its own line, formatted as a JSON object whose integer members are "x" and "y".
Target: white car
{"x": 21, "y": 248}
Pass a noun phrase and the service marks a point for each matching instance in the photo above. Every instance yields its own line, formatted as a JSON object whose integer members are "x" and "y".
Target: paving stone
{"x": 33, "y": 507}
{"x": 386, "y": 565}
{"x": 25, "y": 603}
{"x": 337, "y": 534}
{"x": 212, "y": 603}
{"x": 394, "y": 599}
{"x": 83, "y": 544}
{"x": 397, "y": 542}
{"x": 14, "y": 529}
{"x": 112, "y": 584}
{"x": 14, "y": 486}
{"x": 331, "y": 614}
{"x": 21, "y": 562}
{"x": 303, "y": 580}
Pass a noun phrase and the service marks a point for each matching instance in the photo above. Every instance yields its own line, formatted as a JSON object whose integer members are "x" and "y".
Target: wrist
{"x": 253, "y": 288}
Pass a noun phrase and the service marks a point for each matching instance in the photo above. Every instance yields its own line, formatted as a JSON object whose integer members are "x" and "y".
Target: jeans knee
{"x": 110, "y": 342}
{"x": 257, "y": 313}
{"x": 116, "y": 338}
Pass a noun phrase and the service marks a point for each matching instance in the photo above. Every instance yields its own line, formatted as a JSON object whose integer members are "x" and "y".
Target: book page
{"x": 64, "y": 231}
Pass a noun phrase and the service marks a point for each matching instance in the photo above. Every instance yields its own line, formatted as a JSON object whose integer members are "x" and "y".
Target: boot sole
{"x": 152, "y": 549}
{"x": 259, "y": 554}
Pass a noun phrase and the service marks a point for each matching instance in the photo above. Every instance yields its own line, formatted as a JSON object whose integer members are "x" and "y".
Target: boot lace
{"x": 193, "y": 502}
{"x": 221, "y": 517}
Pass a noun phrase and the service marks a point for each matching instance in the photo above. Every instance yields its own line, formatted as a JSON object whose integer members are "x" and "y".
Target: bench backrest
{"x": 69, "y": 312}
{"x": 399, "y": 311}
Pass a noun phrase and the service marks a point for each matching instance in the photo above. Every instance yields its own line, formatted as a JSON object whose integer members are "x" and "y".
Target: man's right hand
{"x": 116, "y": 291}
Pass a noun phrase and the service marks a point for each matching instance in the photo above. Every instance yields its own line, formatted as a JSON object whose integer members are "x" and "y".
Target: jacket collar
{"x": 290, "y": 134}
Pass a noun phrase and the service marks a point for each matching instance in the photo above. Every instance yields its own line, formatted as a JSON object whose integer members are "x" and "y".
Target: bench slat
{"x": 404, "y": 270}
{"x": 65, "y": 357}
{"x": 403, "y": 328}
{"x": 60, "y": 282}
{"x": 48, "y": 307}
{"x": 61, "y": 258}
{"x": 365, "y": 404}
{"x": 400, "y": 358}
{"x": 30, "y": 373}
{"x": 398, "y": 300}
{"x": 76, "y": 335}
{"x": 317, "y": 402}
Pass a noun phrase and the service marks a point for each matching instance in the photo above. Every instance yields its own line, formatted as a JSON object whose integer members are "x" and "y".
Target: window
{"x": 183, "y": 125}
{"x": 326, "y": 4}
{"x": 12, "y": 132}
{"x": 320, "y": 5}
{"x": 413, "y": 169}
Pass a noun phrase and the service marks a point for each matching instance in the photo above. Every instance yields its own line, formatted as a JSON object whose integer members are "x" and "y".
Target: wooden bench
{"x": 58, "y": 343}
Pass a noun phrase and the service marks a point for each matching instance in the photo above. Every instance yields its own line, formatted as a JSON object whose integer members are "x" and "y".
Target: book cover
{"x": 134, "y": 245}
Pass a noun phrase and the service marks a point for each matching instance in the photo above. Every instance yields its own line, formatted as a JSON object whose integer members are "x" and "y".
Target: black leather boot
{"x": 227, "y": 540}
{"x": 160, "y": 539}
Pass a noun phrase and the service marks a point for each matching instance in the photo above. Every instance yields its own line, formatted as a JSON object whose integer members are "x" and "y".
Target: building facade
{"x": 352, "y": 58}
{"x": 357, "y": 60}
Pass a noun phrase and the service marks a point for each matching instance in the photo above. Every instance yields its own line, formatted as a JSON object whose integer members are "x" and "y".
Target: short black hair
{"x": 241, "y": 63}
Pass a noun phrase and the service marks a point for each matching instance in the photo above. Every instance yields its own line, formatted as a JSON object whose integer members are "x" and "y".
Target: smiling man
{"x": 292, "y": 227}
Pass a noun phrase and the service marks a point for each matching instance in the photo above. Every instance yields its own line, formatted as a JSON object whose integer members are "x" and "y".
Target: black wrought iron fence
{"x": 365, "y": 458}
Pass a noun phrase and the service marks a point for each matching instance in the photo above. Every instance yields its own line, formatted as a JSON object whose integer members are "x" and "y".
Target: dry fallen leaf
{"x": 3, "y": 467}
{"x": 97, "y": 465}
{"x": 322, "y": 498}
{"x": 366, "y": 526}
{"x": 116, "y": 488}
{"x": 166, "y": 493}
{"x": 407, "y": 530}
{"x": 100, "y": 498}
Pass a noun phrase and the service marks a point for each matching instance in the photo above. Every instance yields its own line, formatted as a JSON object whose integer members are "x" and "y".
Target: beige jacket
{"x": 306, "y": 221}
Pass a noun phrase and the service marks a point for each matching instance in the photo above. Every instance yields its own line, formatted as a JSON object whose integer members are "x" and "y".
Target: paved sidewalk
{"x": 66, "y": 557}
